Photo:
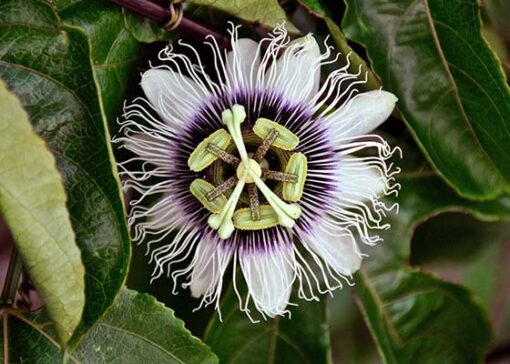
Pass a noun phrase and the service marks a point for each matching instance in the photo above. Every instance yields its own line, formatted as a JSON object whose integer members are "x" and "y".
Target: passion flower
{"x": 250, "y": 160}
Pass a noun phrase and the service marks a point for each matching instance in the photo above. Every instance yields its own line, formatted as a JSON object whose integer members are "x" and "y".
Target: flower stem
{"x": 157, "y": 12}
{"x": 11, "y": 279}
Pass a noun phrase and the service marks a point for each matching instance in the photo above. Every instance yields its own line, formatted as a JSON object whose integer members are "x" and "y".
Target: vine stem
{"x": 160, "y": 14}
{"x": 11, "y": 279}
{"x": 5, "y": 330}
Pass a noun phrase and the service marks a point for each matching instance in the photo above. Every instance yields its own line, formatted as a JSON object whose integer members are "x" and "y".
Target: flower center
{"x": 252, "y": 166}
{"x": 250, "y": 173}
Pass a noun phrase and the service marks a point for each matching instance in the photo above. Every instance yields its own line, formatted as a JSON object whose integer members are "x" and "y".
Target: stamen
{"x": 222, "y": 188}
{"x": 233, "y": 118}
{"x": 249, "y": 172}
{"x": 223, "y": 155}
{"x": 285, "y": 139}
{"x": 297, "y": 166}
{"x": 201, "y": 158}
{"x": 254, "y": 202}
{"x": 201, "y": 189}
{"x": 243, "y": 220}
{"x": 286, "y": 213}
{"x": 279, "y": 176}
{"x": 266, "y": 144}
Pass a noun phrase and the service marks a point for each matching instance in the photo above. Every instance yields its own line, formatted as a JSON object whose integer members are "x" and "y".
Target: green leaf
{"x": 144, "y": 30}
{"x": 114, "y": 51}
{"x": 33, "y": 204}
{"x": 304, "y": 338}
{"x": 267, "y": 13}
{"x": 138, "y": 329}
{"x": 412, "y": 314}
{"x": 422, "y": 196}
{"x": 455, "y": 238}
{"x": 357, "y": 63}
{"x": 451, "y": 88}
{"x": 25, "y": 341}
{"x": 316, "y": 7}
{"x": 417, "y": 318}
{"x": 51, "y": 67}
{"x": 464, "y": 250}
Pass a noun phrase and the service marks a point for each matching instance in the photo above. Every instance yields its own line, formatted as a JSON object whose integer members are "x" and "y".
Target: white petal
{"x": 339, "y": 250}
{"x": 242, "y": 64}
{"x": 209, "y": 266}
{"x": 203, "y": 273}
{"x": 175, "y": 97}
{"x": 296, "y": 74}
{"x": 269, "y": 276}
{"x": 358, "y": 180}
{"x": 361, "y": 115}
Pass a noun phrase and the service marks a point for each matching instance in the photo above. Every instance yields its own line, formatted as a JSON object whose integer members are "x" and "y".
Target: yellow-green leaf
{"x": 268, "y": 13}
{"x": 33, "y": 204}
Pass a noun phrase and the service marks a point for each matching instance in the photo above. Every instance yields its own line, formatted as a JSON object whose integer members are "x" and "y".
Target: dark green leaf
{"x": 33, "y": 204}
{"x": 410, "y": 313}
{"x": 48, "y": 65}
{"x": 302, "y": 339}
{"x": 316, "y": 7}
{"x": 417, "y": 318}
{"x": 114, "y": 51}
{"x": 452, "y": 91}
{"x": 424, "y": 195}
{"x": 138, "y": 329}
{"x": 26, "y": 341}
{"x": 143, "y": 29}
{"x": 463, "y": 250}
{"x": 358, "y": 64}
{"x": 454, "y": 237}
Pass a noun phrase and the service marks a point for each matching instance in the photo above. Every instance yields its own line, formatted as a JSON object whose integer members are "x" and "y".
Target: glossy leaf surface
{"x": 304, "y": 338}
{"x": 137, "y": 328}
{"x": 451, "y": 88}
{"x": 412, "y": 314}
